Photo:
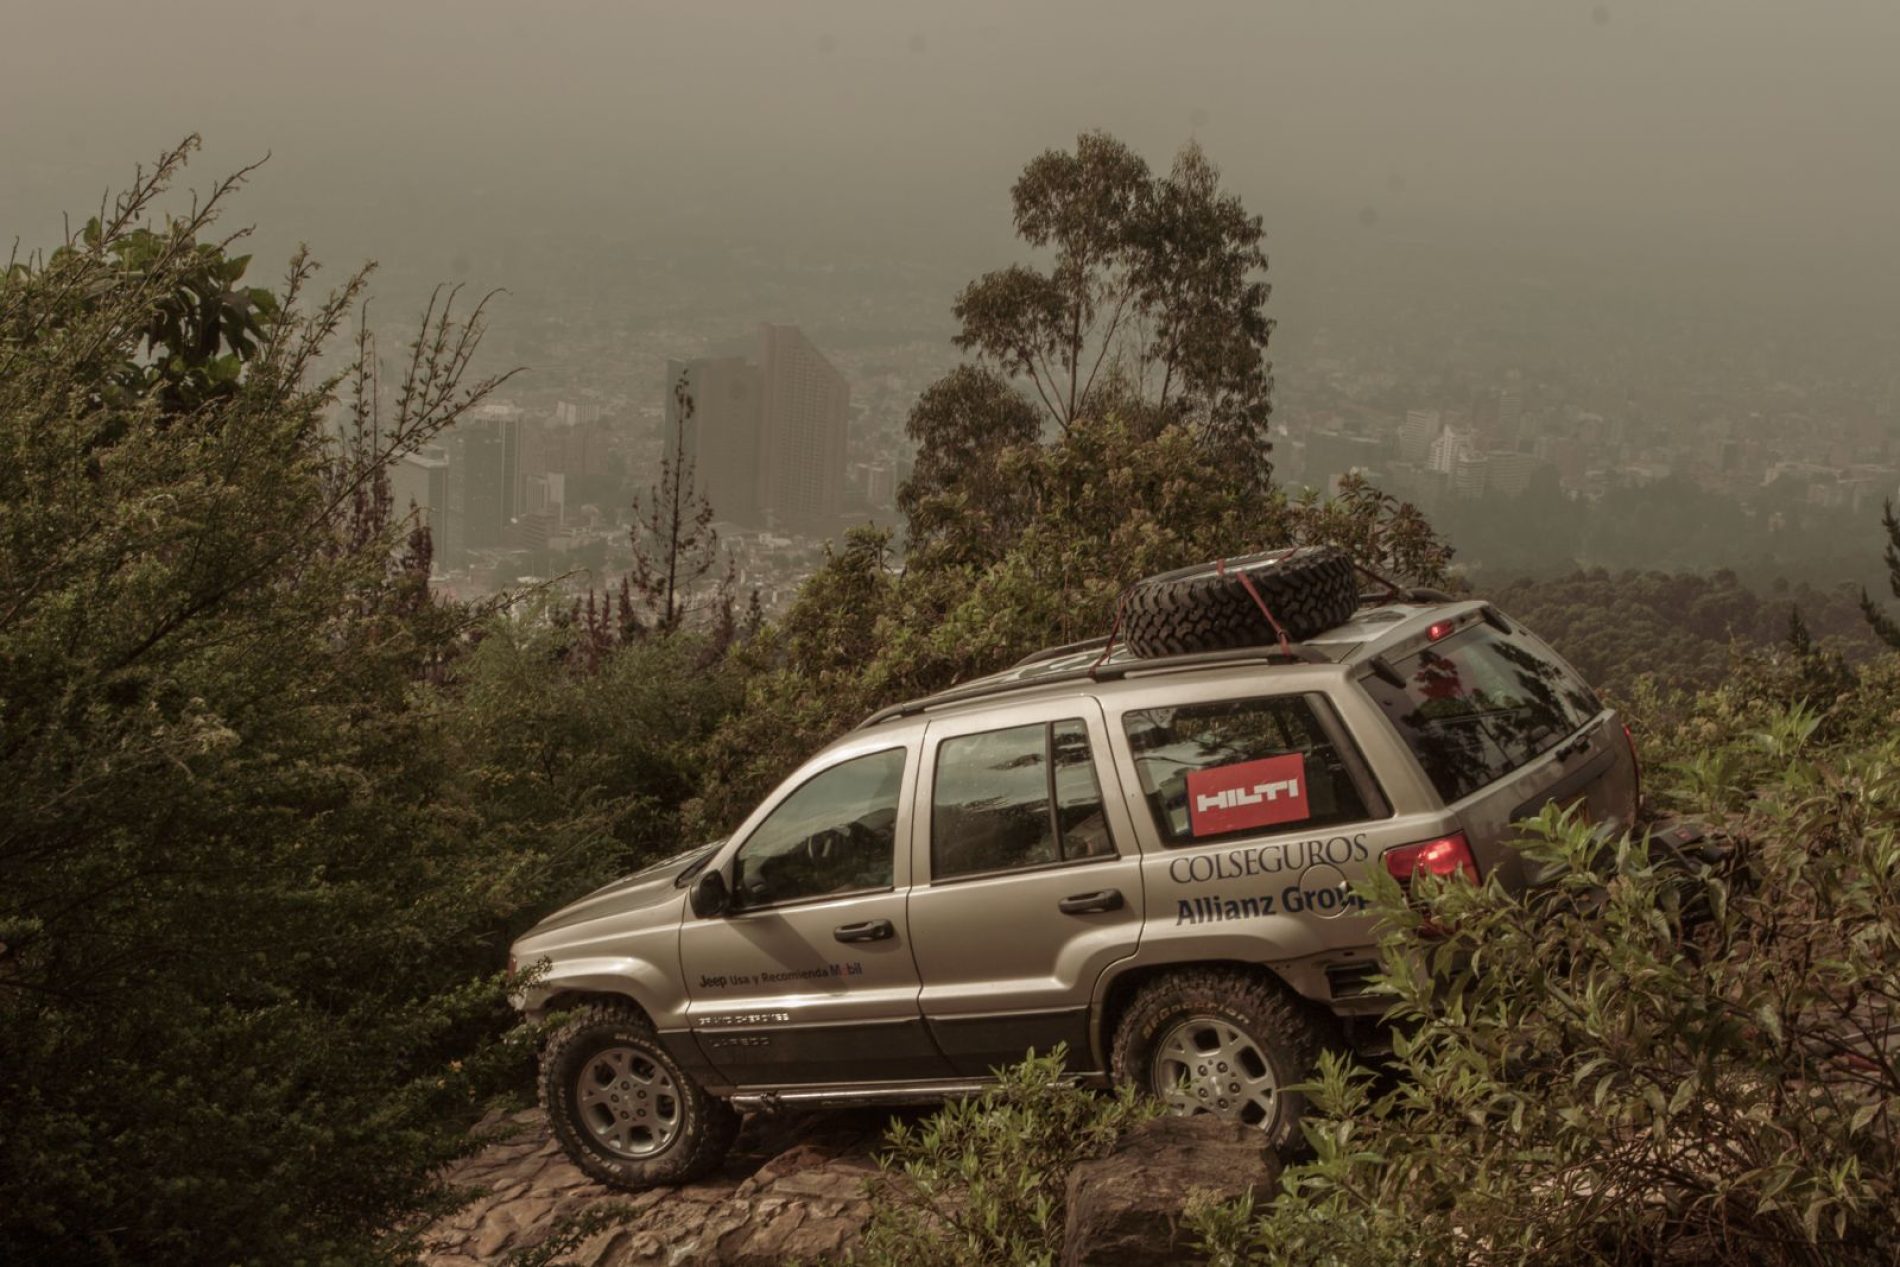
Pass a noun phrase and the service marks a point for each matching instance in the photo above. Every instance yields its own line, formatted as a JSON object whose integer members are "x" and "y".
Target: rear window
{"x": 1017, "y": 798}
{"x": 1480, "y": 705}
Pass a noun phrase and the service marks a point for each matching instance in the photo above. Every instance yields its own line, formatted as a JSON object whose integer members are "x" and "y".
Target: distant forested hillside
{"x": 1616, "y": 627}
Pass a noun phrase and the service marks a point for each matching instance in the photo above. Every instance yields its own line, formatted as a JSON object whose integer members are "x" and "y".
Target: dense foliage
{"x": 268, "y": 812}
{"x": 224, "y": 914}
{"x": 1679, "y": 628}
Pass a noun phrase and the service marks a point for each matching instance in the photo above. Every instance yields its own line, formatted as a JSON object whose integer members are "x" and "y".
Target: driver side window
{"x": 836, "y": 834}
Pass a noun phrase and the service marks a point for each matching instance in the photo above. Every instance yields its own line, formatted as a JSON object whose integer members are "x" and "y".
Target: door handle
{"x": 869, "y": 930}
{"x": 1088, "y": 903}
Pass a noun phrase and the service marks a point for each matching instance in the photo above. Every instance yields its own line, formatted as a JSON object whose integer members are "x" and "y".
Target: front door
{"x": 1028, "y": 881}
{"x": 809, "y": 977}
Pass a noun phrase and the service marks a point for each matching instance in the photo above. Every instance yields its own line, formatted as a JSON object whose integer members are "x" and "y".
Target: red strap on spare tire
{"x": 1393, "y": 588}
{"x": 1108, "y": 649}
{"x": 1246, "y": 582}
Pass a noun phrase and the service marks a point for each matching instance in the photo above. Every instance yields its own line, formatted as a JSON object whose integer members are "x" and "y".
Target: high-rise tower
{"x": 723, "y": 438}
{"x": 807, "y": 408}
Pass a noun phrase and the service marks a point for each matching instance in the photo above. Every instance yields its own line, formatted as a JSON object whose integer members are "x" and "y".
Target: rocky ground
{"x": 793, "y": 1191}
{"x": 793, "y": 1188}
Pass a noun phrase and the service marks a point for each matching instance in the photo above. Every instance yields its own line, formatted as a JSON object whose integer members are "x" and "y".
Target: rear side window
{"x": 1011, "y": 799}
{"x": 1480, "y": 705}
{"x": 1241, "y": 767}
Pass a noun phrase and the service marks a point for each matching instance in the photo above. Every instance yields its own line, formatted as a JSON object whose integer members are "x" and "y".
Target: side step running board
{"x": 841, "y": 1097}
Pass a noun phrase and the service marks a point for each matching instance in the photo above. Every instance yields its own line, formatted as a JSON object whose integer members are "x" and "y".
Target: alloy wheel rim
{"x": 1206, "y": 1064}
{"x": 629, "y": 1104}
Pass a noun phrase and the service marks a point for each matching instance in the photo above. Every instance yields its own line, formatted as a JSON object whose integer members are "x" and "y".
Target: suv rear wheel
{"x": 623, "y": 1111}
{"x": 1225, "y": 1042}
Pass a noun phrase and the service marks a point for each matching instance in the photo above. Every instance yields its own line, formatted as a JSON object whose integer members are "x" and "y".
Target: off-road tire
{"x": 1288, "y": 1033}
{"x": 708, "y": 1124}
{"x": 1309, "y": 589}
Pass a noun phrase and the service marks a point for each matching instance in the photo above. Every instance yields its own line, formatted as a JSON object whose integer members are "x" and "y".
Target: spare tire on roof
{"x": 1207, "y": 607}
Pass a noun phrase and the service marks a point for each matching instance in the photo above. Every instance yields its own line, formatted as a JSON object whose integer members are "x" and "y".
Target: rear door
{"x": 1264, "y": 817}
{"x": 1502, "y": 727}
{"x": 1029, "y": 882}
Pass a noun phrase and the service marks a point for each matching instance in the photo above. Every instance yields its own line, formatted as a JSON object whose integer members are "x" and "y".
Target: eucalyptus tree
{"x": 1159, "y": 277}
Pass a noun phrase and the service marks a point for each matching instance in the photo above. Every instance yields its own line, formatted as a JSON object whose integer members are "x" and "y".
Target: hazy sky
{"x": 1732, "y": 134}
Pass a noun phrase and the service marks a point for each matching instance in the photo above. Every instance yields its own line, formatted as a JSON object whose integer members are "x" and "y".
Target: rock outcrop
{"x": 793, "y": 1188}
{"x": 1126, "y": 1207}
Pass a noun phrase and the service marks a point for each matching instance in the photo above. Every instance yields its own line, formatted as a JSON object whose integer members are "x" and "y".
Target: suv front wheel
{"x": 1224, "y": 1042}
{"x": 620, "y": 1106}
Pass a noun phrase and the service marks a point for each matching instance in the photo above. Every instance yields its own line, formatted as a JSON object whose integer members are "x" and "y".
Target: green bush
{"x": 247, "y": 975}
{"x": 983, "y": 1180}
{"x": 564, "y": 771}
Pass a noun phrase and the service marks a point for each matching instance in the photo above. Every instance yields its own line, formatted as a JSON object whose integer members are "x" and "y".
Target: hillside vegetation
{"x": 1682, "y": 630}
{"x": 270, "y": 811}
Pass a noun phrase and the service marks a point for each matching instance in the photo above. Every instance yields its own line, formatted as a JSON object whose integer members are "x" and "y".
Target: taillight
{"x": 1446, "y": 856}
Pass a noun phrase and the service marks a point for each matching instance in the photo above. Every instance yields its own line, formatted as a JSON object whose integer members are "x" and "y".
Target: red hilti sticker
{"x": 1250, "y": 794}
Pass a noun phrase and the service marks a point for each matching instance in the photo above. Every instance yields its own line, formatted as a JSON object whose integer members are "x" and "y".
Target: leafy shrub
{"x": 1638, "y": 1062}
{"x": 242, "y": 979}
{"x": 982, "y": 1180}
{"x": 564, "y": 770}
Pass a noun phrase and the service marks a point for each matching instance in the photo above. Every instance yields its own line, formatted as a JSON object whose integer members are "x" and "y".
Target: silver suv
{"x": 1150, "y": 860}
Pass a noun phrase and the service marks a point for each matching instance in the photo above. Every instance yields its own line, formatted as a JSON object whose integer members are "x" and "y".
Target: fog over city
{"x": 1713, "y": 132}
{"x": 1632, "y": 207}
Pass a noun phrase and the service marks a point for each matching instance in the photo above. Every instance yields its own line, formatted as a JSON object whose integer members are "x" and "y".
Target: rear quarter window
{"x": 1288, "y": 769}
{"x": 1480, "y": 705}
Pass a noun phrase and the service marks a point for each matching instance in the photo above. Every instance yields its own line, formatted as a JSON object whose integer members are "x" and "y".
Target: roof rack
{"x": 1298, "y": 653}
{"x": 1414, "y": 594}
{"x": 1056, "y": 653}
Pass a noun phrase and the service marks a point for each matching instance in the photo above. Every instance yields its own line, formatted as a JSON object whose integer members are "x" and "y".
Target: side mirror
{"x": 710, "y": 896}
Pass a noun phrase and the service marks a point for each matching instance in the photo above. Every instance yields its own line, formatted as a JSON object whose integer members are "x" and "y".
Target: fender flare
{"x": 632, "y": 979}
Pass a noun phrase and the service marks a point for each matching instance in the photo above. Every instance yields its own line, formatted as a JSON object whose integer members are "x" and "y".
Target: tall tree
{"x": 675, "y": 546}
{"x": 1882, "y": 624}
{"x": 1057, "y": 326}
{"x": 961, "y": 505}
{"x": 1198, "y": 271}
{"x": 1159, "y": 276}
